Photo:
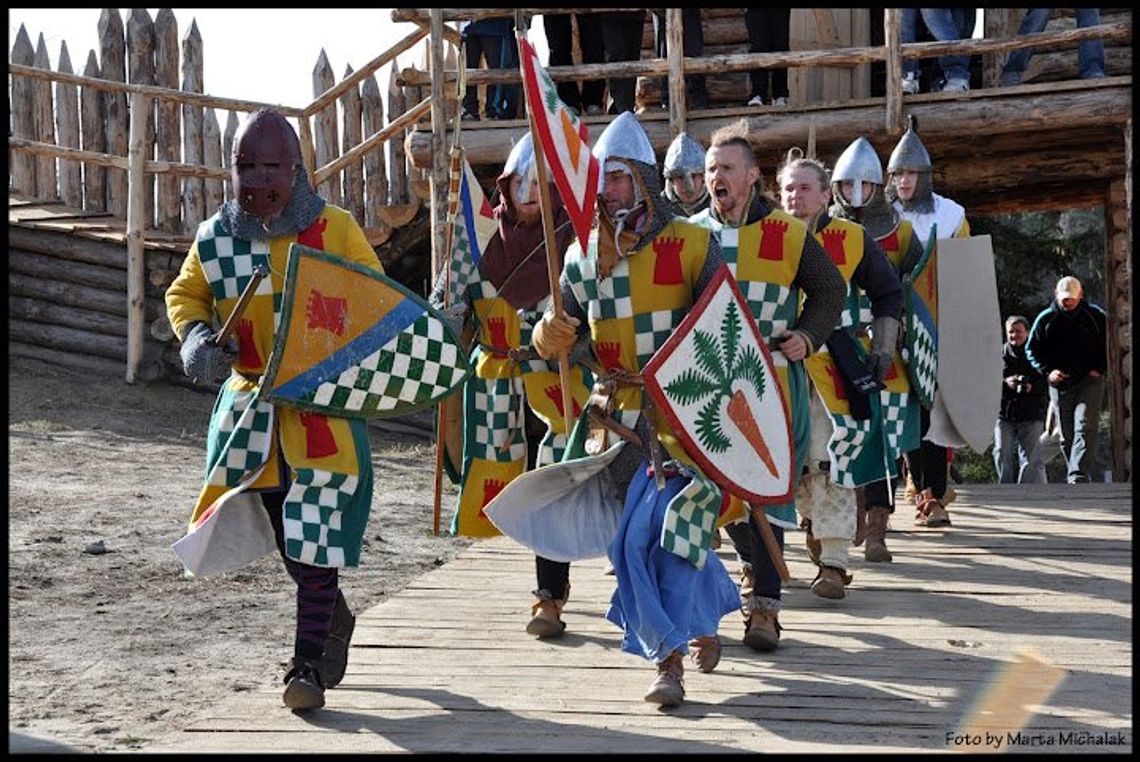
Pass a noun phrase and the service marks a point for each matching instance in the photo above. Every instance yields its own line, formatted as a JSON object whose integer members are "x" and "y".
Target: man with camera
{"x": 1024, "y": 396}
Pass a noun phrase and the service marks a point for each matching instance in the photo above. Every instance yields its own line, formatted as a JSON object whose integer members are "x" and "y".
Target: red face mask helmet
{"x": 266, "y": 151}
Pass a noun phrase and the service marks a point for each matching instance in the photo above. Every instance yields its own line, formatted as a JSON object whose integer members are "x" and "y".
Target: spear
{"x": 454, "y": 181}
{"x": 553, "y": 261}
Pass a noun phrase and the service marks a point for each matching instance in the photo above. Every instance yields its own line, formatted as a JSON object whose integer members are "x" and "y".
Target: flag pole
{"x": 553, "y": 261}
{"x": 454, "y": 180}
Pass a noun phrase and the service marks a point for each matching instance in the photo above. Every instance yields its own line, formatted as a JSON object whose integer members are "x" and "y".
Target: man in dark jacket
{"x": 1024, "y": 396}
{"x": 1067, "y": 344}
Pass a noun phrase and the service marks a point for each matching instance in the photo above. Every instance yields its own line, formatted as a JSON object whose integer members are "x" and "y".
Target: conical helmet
{"x": 624, "y": 138}
{"x": 521, "y": 158}
{"x": 910, "y": 153}
{"x": 684, "y": 157}
{"x": 860, "y": 164}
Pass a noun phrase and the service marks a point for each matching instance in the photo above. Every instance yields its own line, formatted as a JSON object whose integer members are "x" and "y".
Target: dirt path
{"x": 108, "y": 650}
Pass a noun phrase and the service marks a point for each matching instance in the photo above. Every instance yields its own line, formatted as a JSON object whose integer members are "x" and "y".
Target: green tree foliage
{"x": 1032, "y": 251}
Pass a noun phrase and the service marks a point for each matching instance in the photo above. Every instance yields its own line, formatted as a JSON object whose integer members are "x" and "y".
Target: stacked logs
{"x": 68, "y": 303}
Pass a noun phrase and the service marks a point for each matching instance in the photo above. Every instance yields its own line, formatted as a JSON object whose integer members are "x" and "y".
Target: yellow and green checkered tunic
{"x": 328, "y": 458}
{"x": 495, "y": 400}
{"x": 764, "y": 257}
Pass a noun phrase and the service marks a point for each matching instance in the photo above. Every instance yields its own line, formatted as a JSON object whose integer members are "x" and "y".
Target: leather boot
{"x": 814, "y": 548}
{"x": 930, "y": 511}
{"x": 860, "y": 517}
{"x": 762, "y": 630}
{"x": 831, "y": 582}
{"x": 304, "y": 686}
{"x": 546, "y": 615}
{"x": 705, "y": 652}
{"x": 876, "y": 549}
{"x": 668, "y": 688}
{"x": 336, "y": 647}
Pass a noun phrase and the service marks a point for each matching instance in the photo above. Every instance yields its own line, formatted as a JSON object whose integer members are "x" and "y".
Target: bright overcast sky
{"x": 261, "y": 55}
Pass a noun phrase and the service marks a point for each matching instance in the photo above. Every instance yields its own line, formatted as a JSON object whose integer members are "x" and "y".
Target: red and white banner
{"x": 564, "y": 139}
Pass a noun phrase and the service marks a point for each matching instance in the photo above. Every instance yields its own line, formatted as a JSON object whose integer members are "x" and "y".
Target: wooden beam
{"x": 354, "y": 79}
{"x": 397, "y": 125}
{"x": 840, "y": 57}
{"x": 943, "y": 118}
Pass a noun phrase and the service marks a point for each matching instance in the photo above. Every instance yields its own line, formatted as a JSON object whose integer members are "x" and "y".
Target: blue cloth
{"x": 944, "y": 24}
{"x": 662, "y": 601}
{"x": 1090, "y": 53}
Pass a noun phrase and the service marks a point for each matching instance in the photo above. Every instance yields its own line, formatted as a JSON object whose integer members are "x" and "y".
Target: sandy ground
{"x": 109, "y": 645}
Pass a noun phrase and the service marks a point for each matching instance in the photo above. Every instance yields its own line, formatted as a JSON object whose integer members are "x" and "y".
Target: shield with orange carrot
{"x": 715, "y": 383}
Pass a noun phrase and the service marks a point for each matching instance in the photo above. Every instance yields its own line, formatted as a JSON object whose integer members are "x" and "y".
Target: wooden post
{"x": 438, "y": 178}
{"x": 193, "y": 203}
{"x": 45, "y": 125}
{"x": 308, "y": 147}
{"x": 136, "y": 224}
{"x": 325, "y": 129}
{"x": 67, "y": 131}
{"x": 375, "y": 178}
{"x": 22, "y": 170}
{"x": 350, "y": 137}
{"x": 397, "y": 161}
{"x": 214, "y": 194}
{"x": 996, "y": 22}
{"x": 228, "y": 150}
{"x": 675, "y": 50}
{"x": 892, "y": 34}
{"x": 140, "y": 71}
{"x": 113, "y": 66}
{"x": 168, "y": 130}
{"x": 93, "y": 138}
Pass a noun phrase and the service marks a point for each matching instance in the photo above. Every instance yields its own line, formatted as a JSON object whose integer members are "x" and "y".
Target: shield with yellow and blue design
{"x": 357, "y": 344}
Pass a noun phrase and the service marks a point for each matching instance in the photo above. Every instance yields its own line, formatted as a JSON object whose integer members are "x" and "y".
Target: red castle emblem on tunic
{"x": 555, "y": 394}
{"x": 497, "y": 327}
{"x": 247, "y": 351}
{"x": 772, "y": 239}
{"x": 667, "y": 267}
{"x": 314, "y": 235}
{"x": 491, "y": 489}
{"x": 609, "y": 355}
{"x": 319, "y": 440}
{"x": 890, "y": 242}
{"x": 327, "y": 312}
{"x": 833, "y": 245}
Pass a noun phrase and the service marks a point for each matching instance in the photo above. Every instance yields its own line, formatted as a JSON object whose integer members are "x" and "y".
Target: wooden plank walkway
{"x": 444, "y": 666}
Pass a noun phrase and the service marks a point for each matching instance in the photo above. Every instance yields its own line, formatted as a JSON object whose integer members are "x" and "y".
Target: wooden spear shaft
{"x": 553, "y": 261}
{"x": 454, "y": 182}
{"x": 259, "y": 273}
{"x": 769, "y": 537}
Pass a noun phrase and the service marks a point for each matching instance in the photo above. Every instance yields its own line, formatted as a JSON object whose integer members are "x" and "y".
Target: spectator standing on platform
{"x": 1020, "y": 422}
{"x": 621, "y": 33}
{"x": 1067, "y": 345}
{"x": 586, "y": 97}
{"x": 1090, "y": 53}
{"x": 768, "y": 33}
{"x": 945, "y": 25}
{"x": 491, "y": 40}
{"x": 693, "y": 45}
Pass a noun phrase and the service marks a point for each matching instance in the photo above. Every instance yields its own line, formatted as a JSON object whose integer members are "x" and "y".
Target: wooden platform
{"x": 444, "y": 666}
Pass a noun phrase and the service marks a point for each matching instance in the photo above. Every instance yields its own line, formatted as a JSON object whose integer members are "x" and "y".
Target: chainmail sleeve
{"x": 824, "y": 290}
{"x": 713, "y": 260}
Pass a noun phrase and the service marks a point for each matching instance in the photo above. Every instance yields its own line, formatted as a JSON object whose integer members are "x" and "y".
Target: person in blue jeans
{"x": 1090, "y": 54}
{"x": 493, "y": 41}
{"x": 1020, "y": 423}
{"x": 945, "y": 25}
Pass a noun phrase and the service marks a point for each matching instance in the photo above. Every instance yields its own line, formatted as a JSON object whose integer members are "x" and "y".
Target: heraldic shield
{"x": 715, "y": 383}
{"x": 357, "y": 344}
{"x": 920, "y": 344}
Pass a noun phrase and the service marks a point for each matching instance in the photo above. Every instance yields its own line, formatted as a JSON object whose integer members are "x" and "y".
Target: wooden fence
{"x": 88, "y": 113}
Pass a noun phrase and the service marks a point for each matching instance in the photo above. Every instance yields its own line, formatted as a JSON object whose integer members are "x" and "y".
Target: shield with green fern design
{"x": 715, "y": 383}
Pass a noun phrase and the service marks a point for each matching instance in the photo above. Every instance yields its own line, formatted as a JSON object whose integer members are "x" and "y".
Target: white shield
{"x": 715, "y": 383}
{"x": 969, "y": 345}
